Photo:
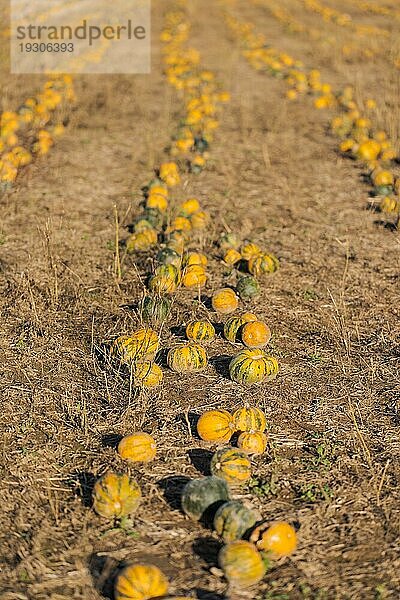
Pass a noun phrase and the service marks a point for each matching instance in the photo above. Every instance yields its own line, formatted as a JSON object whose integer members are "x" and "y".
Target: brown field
{"x": 332, "y": 466}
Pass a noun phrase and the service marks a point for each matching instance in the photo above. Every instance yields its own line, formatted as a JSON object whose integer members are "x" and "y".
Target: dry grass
{"x": 332, "y": 465}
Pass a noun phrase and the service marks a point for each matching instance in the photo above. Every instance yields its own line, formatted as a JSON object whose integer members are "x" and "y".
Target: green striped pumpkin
{"x": 253, "y": 366}
{"x": 247, "y": 287}
{"x": 249, "y": 418}
{"x": 155, "y": 309}
{"x": 168, "y": 256}
{"x": 141, "y": 345}
{"x": 233, "y": 325}
{"x": 116, "y": 495}
{"x": 262, "y": 264}
{"x": 231, "y": 464}
{"x": 233, "y": 519}
{"x": 187, "y": 358}
{"x": 200, "y": 494}
{"x": 200, "y": 331}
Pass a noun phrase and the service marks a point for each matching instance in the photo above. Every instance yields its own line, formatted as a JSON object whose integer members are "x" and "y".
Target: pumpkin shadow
{"x": 193, "y": 419}
{"x": 161, "y": 357}
{"x": 173, "y": 487}
{"x": 386, "y": 224}
{"x": 180, "y": 332}
{"x": 207, "y": 595}
{"x": 201, "y": 459}
{"x": 207, "y": 548}
{"x": 111, "y": 440}
{"x": 219, "y": 329}
{"x": 221, "y": 364}
{"x": 82, "y": 483}
{"x": 103, "y": 570}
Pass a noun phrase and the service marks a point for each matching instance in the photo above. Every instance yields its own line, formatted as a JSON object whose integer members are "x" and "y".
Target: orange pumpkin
{"x": 137, "y": 447}
{"x": 140, "y": 582}
{"x": 255, "y": 334}
{"x": 215, "y": 426}
{"x": 116, "y": 495}
{"x": 225, "y": 301}
{"x": 252, "y": 442}
{"x": 278, "y": 539}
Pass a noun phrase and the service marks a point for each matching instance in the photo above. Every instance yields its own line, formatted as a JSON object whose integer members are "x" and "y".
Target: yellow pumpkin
{"x": 252, "y": 442}
{"x": 165, "y": 279}
{"x": 116, "y": 495}
{"x": 231, "y": 464}
{"x": 170, "y": 174}
{"x": 137, "y": 447}
{"x": 383, "y": 178}
{"x": 197, "y": 259}
{"x": 249, "y": 418}
{"x": 190, "y": 206}
{"x": 232, "y": 257}
{"x": 200, "y": 331}
{"x": 215, "y": 426}
{"x": 199, "y": 219}
{"x": 224, "y": 301}
{"x": 241, "y": 563}
{"x": 147, "y": 374}
{"x": 180, "y": 224}
{"x": 368, "y": 150}
{"x": 157, "y": 201}
{"x": 390, "y": 205}
{"x": 140, "y": 582}
{"x": 248, "y": 250}
{"x": 140, "y": 346}
{"x": 194, "y": 276}
{"x": 141, "y": 241}
{"x": 263, "y": 264}
{"x": 255, "y": 334}
{"x": 187, "y": 358}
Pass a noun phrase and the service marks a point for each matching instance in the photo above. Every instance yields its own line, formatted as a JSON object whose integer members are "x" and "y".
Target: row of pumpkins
{"x": 118, "y": 495}
{"x": 249, "y": 543}
{"x": 32, "y": 129}
{"x": 251, "y": 365}
{"x": 359, "y": 139}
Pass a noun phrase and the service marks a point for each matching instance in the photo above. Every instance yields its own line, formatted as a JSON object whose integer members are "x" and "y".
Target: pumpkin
{"x": 224, "y": 301}
{"x": 200, "y": 331}
{"x": 390, "y": 205}
{"x": 368, "y": 150}
{"x": 169, "y": 256}
{"x": 141, "y": 345}
{"x": 231, "y": 464}
{"x": 116, "y": 495}
{"x": 232, "y": 256}
{"x": 155, "y": 309}
{"x": 255, "y": 334}
{"x": 169, "y": 174}
{"x": 253, "y": 366}
{"x": 254, "y": 442}
{"x": 385, "y": 178}
{"x": 141, "y": 241}
{"x": 278, "y": 539}
{"x": 180, "y": 224}
{"x": 195, "y": 259}
{"x": 140, "y": 224}
{"x": 157, "y": 201}
{"x": 137, "y": 447}
{"x": 215, "y": 426}
{"x": 194, "y": 276}
{"x": 249, "y": 250}
{"x": 263, "y": 264}
{"x": 200, "y": 494}
{"x": 190, "y": 206}
{"x": 229, "y": 240}
{"x": 249, "y": 418}
{"x": 140, "y": 582}
{"x": 247, "y": 287}
{"x": 154, "y": 216}
{"x": 155, "y": 184}
{"x": 147, "y": 374}
{"x": 241, "y": 563}
{"x": 187, "y": 358}
{"x": 199, "y": 219}
{"x": 158, "y": 189}
{"x": 164, "y": 280}
{"x": 233, "y": 325}
{"x": 233, "y": 519}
